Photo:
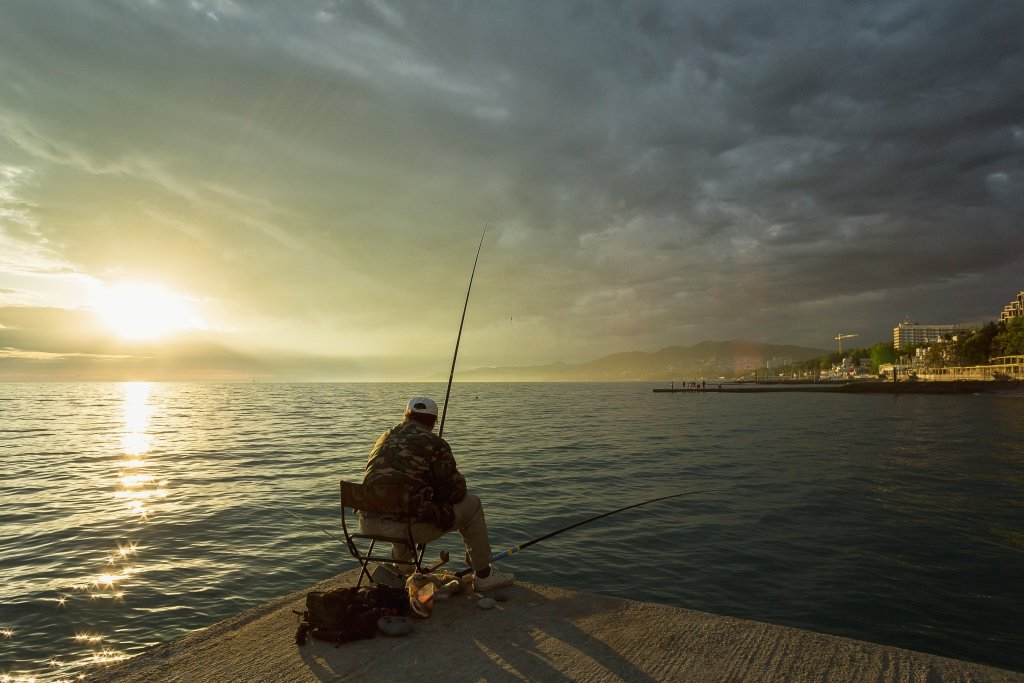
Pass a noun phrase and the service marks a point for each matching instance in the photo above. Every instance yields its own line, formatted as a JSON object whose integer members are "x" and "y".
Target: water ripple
{"x": 155, "y": 510}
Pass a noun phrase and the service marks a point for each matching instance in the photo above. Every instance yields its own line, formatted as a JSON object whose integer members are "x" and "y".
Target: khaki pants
{"x": 469, "y": 520}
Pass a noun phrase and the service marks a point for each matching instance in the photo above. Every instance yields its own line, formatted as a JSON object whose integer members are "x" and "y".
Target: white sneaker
{"x": 496, "y": 579}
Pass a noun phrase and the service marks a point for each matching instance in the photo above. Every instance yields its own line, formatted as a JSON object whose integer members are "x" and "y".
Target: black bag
{"x": 345, "y": 614}
{"x": 394, "y": 601}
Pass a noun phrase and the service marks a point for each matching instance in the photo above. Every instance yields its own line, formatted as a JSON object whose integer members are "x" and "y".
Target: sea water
{"x": 133, "y": 514}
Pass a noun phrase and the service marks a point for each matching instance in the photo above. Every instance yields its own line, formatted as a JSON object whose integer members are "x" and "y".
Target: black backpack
{"x": 345, "y": 614}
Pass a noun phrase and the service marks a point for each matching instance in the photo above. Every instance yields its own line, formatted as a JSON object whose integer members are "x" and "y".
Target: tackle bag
{"x": 345, "y": 614}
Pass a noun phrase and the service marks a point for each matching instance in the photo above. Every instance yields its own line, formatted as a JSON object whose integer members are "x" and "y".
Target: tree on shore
{"x": 882, "y": 353}
{"x": 910, "y": 349}
{"x": 1009, "y": 341}
{"x": 939, "y": 355}
{"x": 974, "y": 347}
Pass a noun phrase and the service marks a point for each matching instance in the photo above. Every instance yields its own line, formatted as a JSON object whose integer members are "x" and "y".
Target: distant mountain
{"x": 708, "y": 359}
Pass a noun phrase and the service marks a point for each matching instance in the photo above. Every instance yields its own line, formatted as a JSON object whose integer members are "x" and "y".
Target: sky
{"x": 227, "y": 190}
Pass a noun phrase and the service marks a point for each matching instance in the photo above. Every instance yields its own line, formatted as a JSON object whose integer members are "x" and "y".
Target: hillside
{"x": 708, "y": 359}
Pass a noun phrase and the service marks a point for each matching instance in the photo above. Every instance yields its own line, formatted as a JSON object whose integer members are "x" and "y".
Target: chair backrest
{"x": 380, "y": 498}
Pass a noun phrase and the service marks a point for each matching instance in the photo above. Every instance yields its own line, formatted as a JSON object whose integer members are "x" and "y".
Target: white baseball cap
{"x": 422, "y": 404}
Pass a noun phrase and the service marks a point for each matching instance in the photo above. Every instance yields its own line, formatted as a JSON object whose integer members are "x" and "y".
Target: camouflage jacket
{"x": 410, "y": 454}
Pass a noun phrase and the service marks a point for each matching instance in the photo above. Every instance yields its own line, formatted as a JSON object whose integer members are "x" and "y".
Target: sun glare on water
{"x": 139, "y": 311}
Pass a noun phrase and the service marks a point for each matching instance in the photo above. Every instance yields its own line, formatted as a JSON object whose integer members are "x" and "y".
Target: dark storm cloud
{"x": 800, "y": 140}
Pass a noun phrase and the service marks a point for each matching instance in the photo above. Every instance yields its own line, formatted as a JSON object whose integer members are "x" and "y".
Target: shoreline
{"x": 958, "y": 386}
{"x": 539, "y": 633}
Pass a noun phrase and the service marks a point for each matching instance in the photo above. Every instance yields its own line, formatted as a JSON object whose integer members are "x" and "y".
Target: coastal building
{"x": 908, "y": 332}
{"x": 1014, "y": 309}
{"x": 849, "y": 367}
{"x": 900, "y": 370}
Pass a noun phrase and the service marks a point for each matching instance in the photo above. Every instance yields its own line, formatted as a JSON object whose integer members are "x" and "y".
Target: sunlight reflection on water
{"x": 137, "y": 487}
{"x": 135, "y": 513}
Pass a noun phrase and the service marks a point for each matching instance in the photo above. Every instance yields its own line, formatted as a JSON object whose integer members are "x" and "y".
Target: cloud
{"x": 653, "y": 173}
{"x": 41, "y": 344}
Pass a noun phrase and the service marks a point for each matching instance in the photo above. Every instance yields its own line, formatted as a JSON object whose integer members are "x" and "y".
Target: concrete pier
{"x": 539, "y": 633}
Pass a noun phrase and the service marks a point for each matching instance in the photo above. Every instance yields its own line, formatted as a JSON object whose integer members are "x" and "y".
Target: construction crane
{"x": 840, "y": 337}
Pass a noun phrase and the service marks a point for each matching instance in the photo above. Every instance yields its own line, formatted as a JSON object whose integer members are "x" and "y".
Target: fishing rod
{"x": 516, "y": 548}
{"x": 458, "y": 338}
{"x": 451, "y": 375}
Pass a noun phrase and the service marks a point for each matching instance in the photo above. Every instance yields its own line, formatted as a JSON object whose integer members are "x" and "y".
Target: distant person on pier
{"x": 410, "y": 453}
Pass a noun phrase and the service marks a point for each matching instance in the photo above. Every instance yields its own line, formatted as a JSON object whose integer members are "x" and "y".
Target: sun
{"x": 140, "y": 311}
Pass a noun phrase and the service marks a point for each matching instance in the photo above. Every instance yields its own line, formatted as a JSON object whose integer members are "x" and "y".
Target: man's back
{"x": 412, "y": 455}
{"x": 403, "y": 455}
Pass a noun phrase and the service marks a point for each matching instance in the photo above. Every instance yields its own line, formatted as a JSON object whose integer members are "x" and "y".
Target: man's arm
{"x": 449, "y": 484}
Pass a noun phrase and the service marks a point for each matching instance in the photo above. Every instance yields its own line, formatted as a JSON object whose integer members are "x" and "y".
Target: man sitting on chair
{"x": 410, "y": 453}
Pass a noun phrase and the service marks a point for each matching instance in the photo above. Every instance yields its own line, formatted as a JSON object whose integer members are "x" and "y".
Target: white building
{"x": 1014, "y": 309}
{"x": 908, "y": 332}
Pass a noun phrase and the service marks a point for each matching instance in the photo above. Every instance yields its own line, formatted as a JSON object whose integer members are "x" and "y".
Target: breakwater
{"x": 857, "y": 387}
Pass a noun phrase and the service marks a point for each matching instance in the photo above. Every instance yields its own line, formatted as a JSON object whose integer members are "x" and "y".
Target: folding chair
{"x": 396, "y": 500}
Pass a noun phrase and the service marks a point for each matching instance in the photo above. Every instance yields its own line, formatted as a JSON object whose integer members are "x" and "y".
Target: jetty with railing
{"x": 947, "y": 386}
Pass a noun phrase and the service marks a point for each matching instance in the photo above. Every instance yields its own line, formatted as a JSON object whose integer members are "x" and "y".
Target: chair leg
{"x": 363, "y": 572}
{"x": 418, "y": 551}
{"x": 365, "y": 569}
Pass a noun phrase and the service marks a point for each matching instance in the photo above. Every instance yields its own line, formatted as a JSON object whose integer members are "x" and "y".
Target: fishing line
{"x": 516, "y": 548}
{"x": 1000, "y": 545}
{"x": 973, "y": 537}
{"x": 310, "y": 523}
{"x": 307, "y": 521}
